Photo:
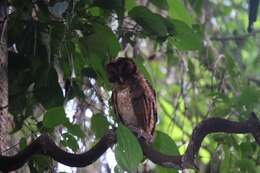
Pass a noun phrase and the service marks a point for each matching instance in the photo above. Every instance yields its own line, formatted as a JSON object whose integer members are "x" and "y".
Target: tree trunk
{"x": 5, "y": 121}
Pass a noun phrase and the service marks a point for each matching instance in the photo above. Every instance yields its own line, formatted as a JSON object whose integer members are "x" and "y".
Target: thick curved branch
{"x": 44, "y": 145}
{"x": 208, "y": 126}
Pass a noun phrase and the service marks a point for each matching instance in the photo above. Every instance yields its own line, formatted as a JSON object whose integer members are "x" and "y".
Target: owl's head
{"x": 121, "y": 70}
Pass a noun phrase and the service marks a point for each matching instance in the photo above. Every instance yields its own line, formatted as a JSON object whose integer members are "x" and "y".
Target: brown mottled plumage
{"x": 133, "y": 98}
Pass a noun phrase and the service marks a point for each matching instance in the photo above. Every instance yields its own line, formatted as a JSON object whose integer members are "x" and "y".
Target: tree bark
{"x": 5, "y": 121}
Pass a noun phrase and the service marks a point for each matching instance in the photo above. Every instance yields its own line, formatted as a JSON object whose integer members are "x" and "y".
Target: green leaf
{"x": 128, "y": 151}
{"x": 178, "y": 11}
{"x": 99, "y": 125}
{"x": 95, "y": 11}
{"x": 22, "y": 143}
{"x": 185, "y": 37}
{"x": 228, "y": 161}
{"x": 160, "y": 169}
{"x": 231, "y": 66}
{"x": 47, "y": 89}
{"x": 75, "y": 130}
{"x": 54, "y": 117}
{"x": 70, "y": 141}
{"x": 98, "y": 64}
{"x": 57, "y": 32}
{"x": 99, "y": 48}
{"x": 102, "y": 42}
{"x": 198, "y": 6}
{"x": 246, "y": 149}
{"x": 246, "y": 165}
{"x": 249, "y": 97}
{"x": 41, "y": 163}
{"x": 151, "y": 22}
{"x": 163, "y": 4}
{"x": 166, "y": 145}
{"x": 191, "y": 70}
{"x": 140, "y": 65}
{"x": 129, "y": 4}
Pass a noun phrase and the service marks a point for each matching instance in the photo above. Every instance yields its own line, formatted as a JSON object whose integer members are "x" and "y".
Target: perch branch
{"x": 208, "y": 126}
{"x": 44, "y": 145}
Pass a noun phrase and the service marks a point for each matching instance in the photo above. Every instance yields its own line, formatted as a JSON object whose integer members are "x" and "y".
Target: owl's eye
{"x": 128, "y": 67}
{"x": 122, "y": 67}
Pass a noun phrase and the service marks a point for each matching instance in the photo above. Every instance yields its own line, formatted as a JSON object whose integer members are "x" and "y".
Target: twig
{"x": 256, "y": 81}
{"x": 235, "y": 37}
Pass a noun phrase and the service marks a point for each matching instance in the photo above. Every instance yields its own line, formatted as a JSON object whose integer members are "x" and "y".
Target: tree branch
{"x": 44, "y": 145}
{"x": 208, "y": 126}
{"x": 235, "y": 37}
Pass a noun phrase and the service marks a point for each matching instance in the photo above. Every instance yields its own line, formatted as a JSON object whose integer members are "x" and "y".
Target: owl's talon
{"x": 141, "y": 133}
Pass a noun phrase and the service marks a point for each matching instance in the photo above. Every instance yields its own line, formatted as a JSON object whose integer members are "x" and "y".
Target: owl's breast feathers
{"x": 135, "y": 104}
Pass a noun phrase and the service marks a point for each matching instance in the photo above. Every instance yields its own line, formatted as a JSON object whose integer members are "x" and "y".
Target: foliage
{"x": 127, "y": 145}
{"x": 191, "y": 51}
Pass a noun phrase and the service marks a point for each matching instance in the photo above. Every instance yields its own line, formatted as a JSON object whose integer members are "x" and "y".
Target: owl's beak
{"x": 121, "y": 80}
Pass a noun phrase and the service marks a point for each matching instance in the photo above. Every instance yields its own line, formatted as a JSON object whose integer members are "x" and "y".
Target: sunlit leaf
{"x": 129, "y": 4}
{"x": 166, "y": 106}
{"x": 163, "y": 4}
{"x": 166, "y": 145}
{"x": 178, "y": 11}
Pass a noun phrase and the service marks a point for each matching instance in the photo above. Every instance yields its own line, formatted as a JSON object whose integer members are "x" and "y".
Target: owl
{"x": 133, "y": 98}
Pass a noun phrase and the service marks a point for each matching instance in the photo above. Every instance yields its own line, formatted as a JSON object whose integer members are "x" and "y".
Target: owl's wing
{"x": 143, "y": 100}
{"x": 114, "y": 103}
{"x": 154, "y": 108}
